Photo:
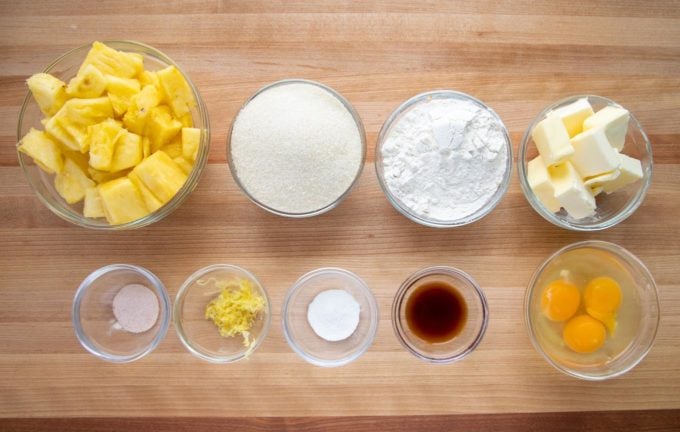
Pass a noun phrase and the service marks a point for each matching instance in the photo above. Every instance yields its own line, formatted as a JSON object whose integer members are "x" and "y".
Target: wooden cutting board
{"x": 516, "y": 56}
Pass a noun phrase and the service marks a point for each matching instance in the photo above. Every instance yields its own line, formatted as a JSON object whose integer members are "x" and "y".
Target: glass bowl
{"x": 474, "y": 327}
{"x": 360, "y": 127}
{"x": 401, "y": 207}
{"x": 300, "y": 335}
{"x": 95, "y": 324}
{"x": 611, "y": 208}
{"x": 65, "y": 68}
{"x": 637, "y": 320}
{"x": 198, "y": 334}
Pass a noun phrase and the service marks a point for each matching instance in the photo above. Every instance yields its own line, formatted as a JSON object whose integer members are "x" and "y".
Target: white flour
{"x": 296, "y": 148}
{"x": 333, "y": 315}
{"x": 445, "y": 158}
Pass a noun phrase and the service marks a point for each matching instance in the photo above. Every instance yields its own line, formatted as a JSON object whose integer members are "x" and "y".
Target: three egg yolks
{"x": 584, "y": 333}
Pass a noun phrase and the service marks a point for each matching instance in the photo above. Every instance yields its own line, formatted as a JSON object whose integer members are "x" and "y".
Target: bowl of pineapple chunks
{"x": 113, "y": 135}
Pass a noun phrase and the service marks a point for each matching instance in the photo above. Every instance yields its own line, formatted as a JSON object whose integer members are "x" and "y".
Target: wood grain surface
{"x": 516, "y": 56}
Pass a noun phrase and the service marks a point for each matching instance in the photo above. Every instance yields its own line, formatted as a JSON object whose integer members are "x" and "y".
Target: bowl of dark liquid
{"x": 440, "y": 314}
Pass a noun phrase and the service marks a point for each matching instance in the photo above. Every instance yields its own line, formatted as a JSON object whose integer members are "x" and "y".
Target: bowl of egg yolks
{"x": 592, "y": 310}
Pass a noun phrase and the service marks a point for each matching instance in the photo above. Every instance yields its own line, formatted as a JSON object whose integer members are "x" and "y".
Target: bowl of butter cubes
{"x": 585, "y": 163}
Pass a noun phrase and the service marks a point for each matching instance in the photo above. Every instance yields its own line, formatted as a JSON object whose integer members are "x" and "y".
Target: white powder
{"x": 333, "y": 315}
{"x": 445, "y": 158}
{"x": 136, "y": 308}
{"x": 296, "y": 148}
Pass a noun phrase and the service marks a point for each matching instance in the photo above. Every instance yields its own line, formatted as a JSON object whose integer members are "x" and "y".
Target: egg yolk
{"x": 560, "y": 300}
{"x": 602, "y": 298}
{"x": 584, "y": 334}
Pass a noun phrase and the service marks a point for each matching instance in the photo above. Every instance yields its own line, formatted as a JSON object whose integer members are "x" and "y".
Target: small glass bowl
{"x": 95, "y": 325}
{"x": 611, "y": 208}
{"x": 198, "y": 334}
{"x": 65, "y": 68}
{"x": 472, "y": 333}
{"x": 633, "y": 338}
{"x": 339, "y": 199}
{"x": 402, "y": 208}
{"x": 300, "y": 335}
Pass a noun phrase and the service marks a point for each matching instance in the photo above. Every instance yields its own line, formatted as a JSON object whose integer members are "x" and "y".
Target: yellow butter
{"x": 571, "y": 192}
{"x": 593, "y": 155}
{"x": 630, "y": 172}
{"x": 541, "y": 184}
{"x": 614, "y": 121}
{"x": 552, "y": 140}
{"x": 573, "y": 115}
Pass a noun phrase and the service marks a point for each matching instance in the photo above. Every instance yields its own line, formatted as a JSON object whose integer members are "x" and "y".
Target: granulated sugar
{"x": 334, "y": 315}
{"x": 296, "y": 148}
{"x": 445, "y": 159}
{"x": 135, "y": 308}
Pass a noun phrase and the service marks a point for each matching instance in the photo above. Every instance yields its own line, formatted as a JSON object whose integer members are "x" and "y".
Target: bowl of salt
{"x": 330, "y": 317}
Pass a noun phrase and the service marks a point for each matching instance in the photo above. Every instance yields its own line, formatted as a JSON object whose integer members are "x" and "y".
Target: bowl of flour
{"x": 296, "y": 148}
{"x": 444, "y": 159}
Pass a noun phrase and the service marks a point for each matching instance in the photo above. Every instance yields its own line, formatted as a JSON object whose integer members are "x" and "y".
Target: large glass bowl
{"x": 65, "y": 68}
{"x": 611, "y": 208}
{"x": 637, "y": 320}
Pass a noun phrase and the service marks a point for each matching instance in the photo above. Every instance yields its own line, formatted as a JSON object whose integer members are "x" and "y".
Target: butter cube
{"x": 571, "y": 192}
{"x": 573, "y": 115}
{"x": 593, "y": 155}
{"x": 540, "y": 183}
{"x": 630, "y": 172}
{"x": 552, "y": 140}
{"x": 595, "y": 183}
{"x": 614, "y": 121}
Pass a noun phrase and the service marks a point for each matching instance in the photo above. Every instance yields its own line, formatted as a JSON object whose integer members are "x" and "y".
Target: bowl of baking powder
{"x": 444, "y": 159}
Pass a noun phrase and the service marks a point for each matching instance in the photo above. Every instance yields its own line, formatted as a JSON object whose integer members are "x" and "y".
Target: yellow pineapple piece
{"x": 69, "y": 124}
{"x": 101, "y": 139}
{"x": 185, "y": 164}
{"x": 113, "y": 62}
{"x": 139, "y": 109}
{"x": 93, "y": 207}
{"x": 120, "y": 92}
{"x": 187, "y": 120}
{"x": 146, "y": 147}
{"x": 127, "y": 152}
{"x": 105, "y": 176}
{"x": 152, "y": 203}
{"x": 161, "y": 127}
{"x": 176, "y": 91}
{"x": 122, "y": 201}
{"x": 174, "y": 147}
{"x": 72, "y": 182}
{"x": 44, "y": 151}
{"x": 161, "y": 175}
{"x": 149, "y": 78}
{"x": 48, "y": 91}
{"x": 191, "y": 139}
{"x": 89, "y": 83}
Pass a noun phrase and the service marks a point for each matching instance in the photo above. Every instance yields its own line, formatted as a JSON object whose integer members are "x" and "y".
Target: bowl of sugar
{"x": 330, "y": 317}
{"x": 121, "y": 313}
{"x": 296, "y": 148}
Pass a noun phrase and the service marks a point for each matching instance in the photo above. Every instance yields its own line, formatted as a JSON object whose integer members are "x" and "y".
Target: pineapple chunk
{"x": 140, "y": 106}
{"x": 122, "y": 201}
{"x": 89, "y": 83}
{"x": 191, "y": 138}
{"x": 174, "y": 147}
{"x": 187, "y": 120}
{"x": 176, "y": 90}
{"x": 48, "y": 91}
{"x": 127, "y": 152}
{"x": 161, "y": 127}
{"x": 44, "y": 151}
{"x": 120, "y": 91}
{"x": 104, "y": 176}
{"x": 146, "y": 147}
{"x": 69, "y": 125}
{"x": 185, "y": 164}
{"x": 113, "y": 62}
{"x": 161, "y": 175}
{"x": 149, "y": 78}
{"x": 72, "y": 182}
{"x": 152, "y": 203}
{"x": 93, "y": 207}
{"x": 101, "y": 139}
